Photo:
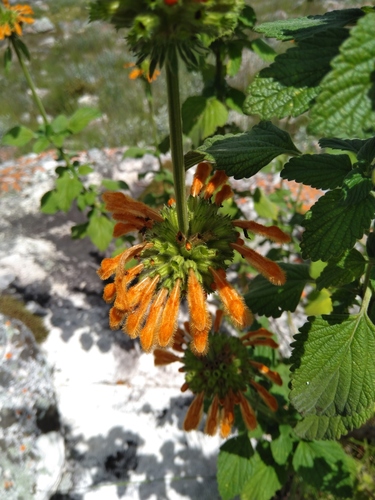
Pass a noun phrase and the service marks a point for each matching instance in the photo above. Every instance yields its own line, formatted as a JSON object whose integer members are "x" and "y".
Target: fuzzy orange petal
{"x": 247, "y": 412}
{"x": 168, "y": 324}
{"x": 267, "y": 342}
{"x": 199, "y": 317}
{"x": 227, "y": 416}
{"x": 109, "y": 293}
{"x": 108, "y": 267}
{"x": 224, "y": 194}
{"x": 134, "y": 320}
{"x": 256, "y": 334}
{"x": 200, "y": 177}
{"x": 217, "y": 321}
{"x": 116, "y": 317}
{"x": 233, "y": 303}
{"x": 218, "y": 179}
{"x": 270, "y": 400}
{"x": 150, "y": 331}
{"x": 163, "y": 357}
{"x": 199, "y": 344}
{"x": 270, "y": 374}
{"x": 212, "y": 421}
{"x": 267, "y": 267}
{"x": 271, "y": 232}
{"x": 194, "y": 413}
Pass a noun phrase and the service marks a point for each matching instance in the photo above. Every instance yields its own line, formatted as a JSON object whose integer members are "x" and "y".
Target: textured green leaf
{"x": 81, "y": 118}
{"x": 270, "y": 300}
{"x": 235, "y": 99}
{"x": 233, "y": 466}
{"x": 326, "y": 466}
{"x": 100, "y": 231}
{"x": 333, "y": 366}
{"x": 356, "y": 187}
{"x": 136, "y": 152}
{"x": 79, "y": 231}
{"x": 201, "y": 116}
{"x": 316, "y": 427}
{"x": 85, "y": 169}
{"x": 353, "y": 145}
{"x": 243, "y": 155}
{"x": 305, "y": 27}
{"x": 346, "y": 104}
{"x": 287, "y": 87}
{"x": 263, "y": 206}
{"x": 234, "y": 49}
{"x": 263, "y": 481}
{"x": 321, "y": 171}
{"x": 18, "y": 136}
{"x": 342, "y": 270}
{"x": 331, "y": 227}
{"x": 282, "y": 446}
{"x": 67, "y": 189}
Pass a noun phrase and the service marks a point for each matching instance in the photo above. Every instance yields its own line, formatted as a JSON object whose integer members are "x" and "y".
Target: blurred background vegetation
{"x": 82, "y": 64}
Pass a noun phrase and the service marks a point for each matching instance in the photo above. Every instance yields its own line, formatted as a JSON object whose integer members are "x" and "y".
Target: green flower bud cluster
{"x": 207, "y": 244}
{"x": 225, "y": 367}
{"x": 159, "y": 28}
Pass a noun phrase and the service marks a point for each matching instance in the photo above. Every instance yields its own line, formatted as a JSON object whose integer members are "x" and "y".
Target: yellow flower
{"x": 170, "y": 266}
{"x": 12, "y": 17}
{"x": 224, "y": 378}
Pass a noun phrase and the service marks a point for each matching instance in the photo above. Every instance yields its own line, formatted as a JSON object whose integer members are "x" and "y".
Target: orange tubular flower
{"x": 221, "y": 378}
{"x": 171, "y": 266}
{"x": 12, "y": 17}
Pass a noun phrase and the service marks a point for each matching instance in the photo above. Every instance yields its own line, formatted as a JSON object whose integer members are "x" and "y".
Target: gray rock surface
{"x": 120, "y": 416}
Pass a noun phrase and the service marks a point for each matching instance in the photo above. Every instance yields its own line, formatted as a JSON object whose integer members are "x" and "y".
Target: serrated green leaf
{"x": 67, "y": 189}
{"x": 353, "y": 145}
{"x": 322, "y": 171}
{"x": 345, "y": 105}
{"x": 326, "y": 466}
{"x": 343, "y": 270}
{"x": 266, "y": 299}
{"x": 305, "y": 27}
{"x": 100, "y": 230}
{"x": 243, "y": 155}
{"x": 263, "y": 481}
{"x": 282, "y": 446}
{"x": 60, "y": 124}
{"x": 202, "y": 116}
{"x": 18, "y": 136}
{"x": 333, "y": 371}
{"x": 49, "y": 202}
{"x": 41, "y": 144}
{"x": 113, "y": 185}
{"x": 331, "y": 227}
{"x": 356, "y": 187}
{"x": 263, "y": 50}
{"x": 85, "y": 169}
{"x": 315, "y": 427}
{"x": 233, "y": 467}
{"x": 81, "y": 118}
{"x": 287, "y": 87}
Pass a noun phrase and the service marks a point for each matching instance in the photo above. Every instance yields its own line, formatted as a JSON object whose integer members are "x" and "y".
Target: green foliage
{"x": 243, "y": 155}
{"x": 333, "y": 369}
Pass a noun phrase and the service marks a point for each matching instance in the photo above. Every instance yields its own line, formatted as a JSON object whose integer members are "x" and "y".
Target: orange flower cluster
{"x": 223, "y": 377}
{"x": 12, "y": 17}
{"x": 138, "y": 72}
{"x": 169, "y": 266}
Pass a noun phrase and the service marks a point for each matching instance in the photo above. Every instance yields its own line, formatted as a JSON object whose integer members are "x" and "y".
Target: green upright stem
{"x": 29, "y": 80}
{"x": 175, "y": 131}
